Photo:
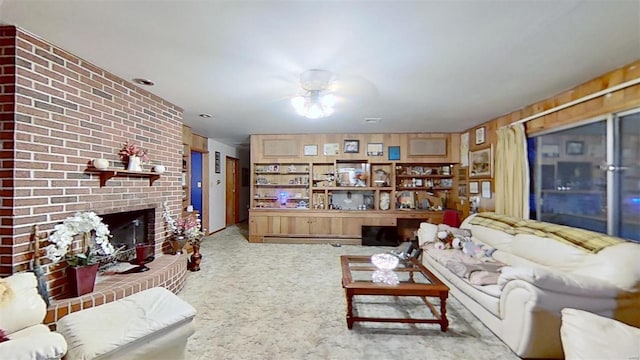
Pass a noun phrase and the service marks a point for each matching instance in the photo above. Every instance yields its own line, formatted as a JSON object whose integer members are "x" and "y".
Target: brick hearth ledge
{"x": 167, "y": 271}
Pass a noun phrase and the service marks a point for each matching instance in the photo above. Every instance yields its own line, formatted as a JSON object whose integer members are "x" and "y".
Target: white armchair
{"x": 22, "y": 311}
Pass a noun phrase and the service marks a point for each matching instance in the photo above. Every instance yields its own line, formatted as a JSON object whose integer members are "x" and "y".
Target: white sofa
{"x": 542, "y": 275}
{"x": 22, "y": 311}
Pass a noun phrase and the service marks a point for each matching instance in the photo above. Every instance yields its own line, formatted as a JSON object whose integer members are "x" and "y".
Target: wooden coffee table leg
{"x": 443, "y": 312}
{"x": 349, "y": 309}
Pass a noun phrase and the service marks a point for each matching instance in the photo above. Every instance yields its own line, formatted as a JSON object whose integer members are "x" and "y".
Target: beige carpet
{"x": 285, "y": 301}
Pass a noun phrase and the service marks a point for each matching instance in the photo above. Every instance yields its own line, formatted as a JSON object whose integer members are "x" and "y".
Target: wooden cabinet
{"x": 342, "y": 226}
{"x": 327, "y": 196}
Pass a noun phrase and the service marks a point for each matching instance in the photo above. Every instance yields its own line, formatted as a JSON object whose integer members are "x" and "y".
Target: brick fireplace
{"x": 57, "y": 113}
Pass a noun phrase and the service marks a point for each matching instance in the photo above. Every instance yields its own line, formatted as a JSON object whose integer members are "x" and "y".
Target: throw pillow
{"x": 3, "y": 336}
{"x": 6, "y": 293}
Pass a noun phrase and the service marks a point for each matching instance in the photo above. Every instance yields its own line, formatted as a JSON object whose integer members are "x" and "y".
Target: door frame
{"x": 232, "y": 180}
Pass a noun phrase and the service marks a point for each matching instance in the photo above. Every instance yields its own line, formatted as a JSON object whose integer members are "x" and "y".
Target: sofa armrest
{"x": 426, "y": 233}
{"x": 531, "y": 316}
{"x": 38, "y": 346}
{"x": 559, "y": 282}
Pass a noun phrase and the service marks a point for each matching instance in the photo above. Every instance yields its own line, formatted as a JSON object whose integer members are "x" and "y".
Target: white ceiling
{"x": 421, "y": 66}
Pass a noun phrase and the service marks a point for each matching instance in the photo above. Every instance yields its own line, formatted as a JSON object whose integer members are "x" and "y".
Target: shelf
{"x": 422, "y": 188}
{"x": 273, "y": 198}
{"x": 107, "y": 174}
{"x": 282, "y": 185}
{"x": 349, "y": 188}
{"x": 424, "y": 176}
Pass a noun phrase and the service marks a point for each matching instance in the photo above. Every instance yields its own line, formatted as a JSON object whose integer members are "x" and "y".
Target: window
{"x": 588, "y": 176}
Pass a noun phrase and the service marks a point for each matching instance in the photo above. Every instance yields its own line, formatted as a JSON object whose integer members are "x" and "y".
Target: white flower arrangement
{"x": 81, "y": 223}
{"x": 190, "y": 226}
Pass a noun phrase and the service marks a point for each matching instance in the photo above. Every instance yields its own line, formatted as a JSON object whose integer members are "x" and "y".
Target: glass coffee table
{"x": 415, "y": 280}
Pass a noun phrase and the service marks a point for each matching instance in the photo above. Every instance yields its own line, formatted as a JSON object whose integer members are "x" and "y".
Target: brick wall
{"x": 68, "y": 112}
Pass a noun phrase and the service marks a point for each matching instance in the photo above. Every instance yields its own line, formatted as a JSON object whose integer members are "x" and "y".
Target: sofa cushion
{"x": 617, "y": 264}
{"x": 491, "y": 237}
{"x": 35, "y": 342}
{"x": 589, "y": 336}
{"x": 487, "y": 296}
{"x": 25, "y": 307}
{"x": 548, "y": 252}
{"x": 139, "y": 318}
{"x": 557, "y": 281}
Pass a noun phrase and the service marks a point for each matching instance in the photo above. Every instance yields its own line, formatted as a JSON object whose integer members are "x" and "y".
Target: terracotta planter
{"x": 81, "y": 279}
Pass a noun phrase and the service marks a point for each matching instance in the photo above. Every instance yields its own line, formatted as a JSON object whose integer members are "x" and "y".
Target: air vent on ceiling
{"x": 372, "y": 120}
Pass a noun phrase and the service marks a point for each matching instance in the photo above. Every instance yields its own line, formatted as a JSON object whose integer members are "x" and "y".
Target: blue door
{"x": 196, "y": 181}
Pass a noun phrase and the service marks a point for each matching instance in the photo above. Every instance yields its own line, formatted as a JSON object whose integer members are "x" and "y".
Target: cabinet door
{"x": 320, "y": 226}
{"x": 294, "y": 225}
{"x": 352, "y": 226}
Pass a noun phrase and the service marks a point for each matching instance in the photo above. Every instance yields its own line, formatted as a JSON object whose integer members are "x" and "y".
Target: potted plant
{"x": 185, "y": 230}
{"x": 133, "y": 155}
{"x": 83, "y": 266}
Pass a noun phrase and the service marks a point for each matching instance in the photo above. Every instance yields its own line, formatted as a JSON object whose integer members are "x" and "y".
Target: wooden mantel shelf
{"x": 107, "y": 174}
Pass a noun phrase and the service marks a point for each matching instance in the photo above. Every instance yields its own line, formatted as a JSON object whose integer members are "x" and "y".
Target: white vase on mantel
{"x": 135, "y": 163}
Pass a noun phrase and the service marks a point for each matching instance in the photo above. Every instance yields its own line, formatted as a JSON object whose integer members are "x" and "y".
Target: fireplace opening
{"x": 129, "y": 228}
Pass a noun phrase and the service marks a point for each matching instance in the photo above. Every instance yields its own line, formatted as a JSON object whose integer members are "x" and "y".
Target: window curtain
{"x": 512, "y": 172}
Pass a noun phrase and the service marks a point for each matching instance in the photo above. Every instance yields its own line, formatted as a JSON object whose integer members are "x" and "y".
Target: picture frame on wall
{"x": 351, "y": 147}
{"x": 575, "y": 147}
{"x": 464, "y": 150}
{"x": 375, "y": 149}
{"x": 394, "y": 152}
{"x": 474, "y": 187}
{"x": 310, "y": 150}
{"x": 480, "y": 135}
{"x": 331, "y": 149}
{"x": 462, "y": 190}
{"x": 217, "y": 162}
{"x": 485, "y": 187}
{"x": 480, "y": 162}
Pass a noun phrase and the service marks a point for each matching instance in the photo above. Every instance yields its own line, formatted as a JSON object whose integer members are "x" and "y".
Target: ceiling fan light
{"x": 328, "y": 100}
{"x": 315, "y": 111}
{"x": 316, "y": 103}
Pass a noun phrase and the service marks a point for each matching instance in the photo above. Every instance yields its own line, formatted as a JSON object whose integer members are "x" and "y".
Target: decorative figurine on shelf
{"x": 133, "y": 155}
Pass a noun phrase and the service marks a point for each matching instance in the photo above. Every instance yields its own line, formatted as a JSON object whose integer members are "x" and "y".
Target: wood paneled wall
{"x": 397, "y": 139}
{"x": 617, "y": 101}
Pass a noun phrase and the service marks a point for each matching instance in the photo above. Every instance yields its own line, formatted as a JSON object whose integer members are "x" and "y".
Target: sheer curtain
{"x": 512, "y": 172}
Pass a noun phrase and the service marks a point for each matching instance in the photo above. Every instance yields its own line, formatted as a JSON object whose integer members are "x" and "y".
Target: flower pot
{"x": 177, "y": 243}
{"x": 81, "y": 279}
{"x": 101, "y": 164}
{"x": 135, "y": 163}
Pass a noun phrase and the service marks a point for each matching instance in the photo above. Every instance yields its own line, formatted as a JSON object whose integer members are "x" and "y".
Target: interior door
{"x": 232, "y": 184}
{"x": 196, "y": 181}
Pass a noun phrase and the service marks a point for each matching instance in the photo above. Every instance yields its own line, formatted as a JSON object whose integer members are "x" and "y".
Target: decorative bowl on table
{"x": 385, "y": 261}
